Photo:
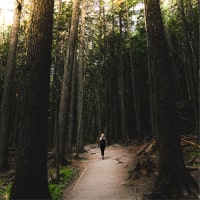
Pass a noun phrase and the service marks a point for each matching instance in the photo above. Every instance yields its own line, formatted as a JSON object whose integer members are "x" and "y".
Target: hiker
{"x": 102, "y": 144}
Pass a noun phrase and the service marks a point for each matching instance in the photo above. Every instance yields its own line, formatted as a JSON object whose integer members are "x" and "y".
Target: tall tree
{"x": 72, "y": 109}
{"x": 68, "y": 66}
{"x": 99, "y": 75}
{"x": 7, "y": 100}
{"x": 31, "y": 173}
{"x": 81, "y": 79}
{"x": 121, "y": 84}
{"x": 133, "y": 77}
{"x": 173, "y": 181}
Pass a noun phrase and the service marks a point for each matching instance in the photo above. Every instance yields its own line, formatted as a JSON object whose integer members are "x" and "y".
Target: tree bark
{"x": 72, "y": 110}
{"x": 173, "y": 180}
{"x": 31, "y": 172}
{"x": 81, "y": 80}
{"x": 7, "y": 101}
{"x": 121, "y": 87}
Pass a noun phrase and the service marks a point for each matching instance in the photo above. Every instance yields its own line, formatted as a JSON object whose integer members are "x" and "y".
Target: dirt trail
{"x": 110, "y": 179}
{"x": 104, "y": 179}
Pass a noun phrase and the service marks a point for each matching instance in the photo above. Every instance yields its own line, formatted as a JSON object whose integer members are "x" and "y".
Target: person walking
{"x": 102, "y": 144}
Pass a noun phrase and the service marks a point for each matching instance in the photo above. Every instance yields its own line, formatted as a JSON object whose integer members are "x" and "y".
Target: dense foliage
{"x": 109, "y": 87}
{"x": 115, "y": 35}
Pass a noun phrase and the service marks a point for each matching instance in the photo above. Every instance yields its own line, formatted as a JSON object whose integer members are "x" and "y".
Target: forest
{"x": 72, "y": 69}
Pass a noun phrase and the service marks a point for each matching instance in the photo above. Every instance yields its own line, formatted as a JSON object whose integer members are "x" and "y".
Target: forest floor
{"x": 126, "y": 173}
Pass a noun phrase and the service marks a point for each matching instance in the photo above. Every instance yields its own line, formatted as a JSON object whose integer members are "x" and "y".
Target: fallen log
{"x": 148, "y": 149}
{"x": 142, "y": 149}
{"x": 193, "y": 143}
{"x": 189, "y": 137}
{"x": 193, "y": 167}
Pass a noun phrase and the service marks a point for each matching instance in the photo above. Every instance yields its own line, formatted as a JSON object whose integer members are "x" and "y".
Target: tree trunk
{"x": 133, "y": 80}
{"x": 81, "y": 80}
{"x": 114, "y": 87}
{"x": 99, "y": 75}
{"x": 31, "y": 173}
{"x": 56, "y": 145}
{"x": 7, "y": 101}
{"x": 57, "y": 87}
{"x": 72, "y": 110}
{"x": 67, "y": 77}
{"x": 121, "y": 87}
{"x": 173, "y": 180}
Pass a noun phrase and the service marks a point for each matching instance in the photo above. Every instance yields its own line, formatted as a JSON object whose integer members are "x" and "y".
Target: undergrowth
{"x": 56, "y": 187}
{"x": 5, "y": 188}
{"x": 192, "y": 157}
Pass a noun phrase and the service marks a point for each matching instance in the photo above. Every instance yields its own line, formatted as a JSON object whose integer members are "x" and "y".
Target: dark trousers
{"x": 102, "y": 150}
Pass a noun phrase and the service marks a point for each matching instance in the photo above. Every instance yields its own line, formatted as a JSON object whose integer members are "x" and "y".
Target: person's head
{"x": 102, "y": 135}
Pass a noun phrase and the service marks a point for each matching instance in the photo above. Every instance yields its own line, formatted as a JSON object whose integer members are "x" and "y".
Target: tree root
{"x": 188, "y": 191}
